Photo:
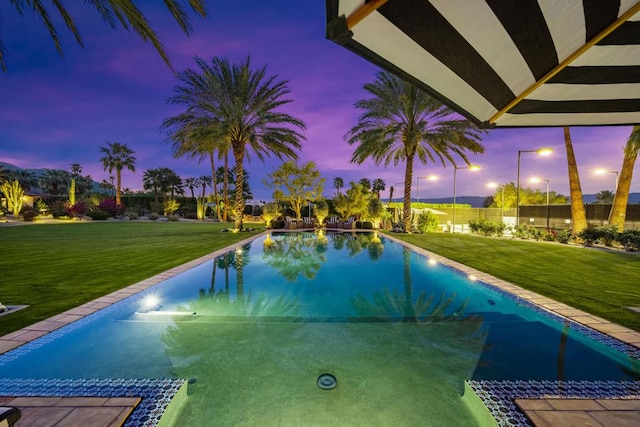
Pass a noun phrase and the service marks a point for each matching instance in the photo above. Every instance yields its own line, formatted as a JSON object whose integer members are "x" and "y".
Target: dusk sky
{"x": 58, "y": 111}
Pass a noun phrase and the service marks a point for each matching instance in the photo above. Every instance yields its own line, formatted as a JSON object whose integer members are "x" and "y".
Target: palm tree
{"x": 378, "y": 186}
{"x": 54, "y": 181}
{"x": 338, "y": 183}
{"x": 605, "y": 197}
{"x": 401, "y": 122}
{"x": 245, "y": 103}
{"x": 365, "y": 182}
{"x": 5, "y": 174}
{"x": 76, "y": 170}
{"x": 151, "y": 180}
{"x": 619, "y": 209}
{"x": 578, "y": 214}
{"x": 113, "y": 12}
{"x": 118, "y": 156}
{"x": 26, "y": 179}
{"x": 190, "y": 183}
{"x": 204, "y": 180}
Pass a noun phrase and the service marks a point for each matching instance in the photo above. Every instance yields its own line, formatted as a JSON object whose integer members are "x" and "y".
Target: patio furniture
{"x": 332, "y": 222}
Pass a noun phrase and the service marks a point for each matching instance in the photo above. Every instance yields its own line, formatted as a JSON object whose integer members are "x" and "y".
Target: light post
{"x": 603, "y": 171}
{"x": 429, "y": 178}
{"x": 496, "y": 185}
{"x": 537, "y": 180}
{"x": 455, "y": 169}
{"x": 545, "y": 151}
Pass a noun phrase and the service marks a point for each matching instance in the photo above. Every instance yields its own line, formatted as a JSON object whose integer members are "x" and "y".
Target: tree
{"x": 338, "y": 183}
{"x": 354, "y": 202}
{"x": 14, "y": 193}
{"x": 366, "y": 183}
{"x": 151, "y": 180}
{"x": 190, "y": 183}
{"x": 76, "y": 170}
{"x": 378, "y": 186}
{"x": 619, "y": 209}
{"x": 118, "y": 156}
{"x": 55, "y": 181}
{"x": 112, "y": 12}
{"x": 605, "y": 197}
{"x": 578, "y": 213}
{"x": 296, "y": 184}
{"x": 245, "y": 103}
{"x": 401, "y": 122}
{"x": 26, "y": 179}
{"x": 391, "y": 194}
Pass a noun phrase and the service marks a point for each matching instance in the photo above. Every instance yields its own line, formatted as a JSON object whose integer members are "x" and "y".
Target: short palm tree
{"x": 618, "y": 212}
{"x": 190, "y": 183}
{"x": 401, "y": 122}
{"x": 378, "y": 186}
{"x": 113, "y": 12}
{"x": 245, "y": 103}
{"x": 118, "y": 156}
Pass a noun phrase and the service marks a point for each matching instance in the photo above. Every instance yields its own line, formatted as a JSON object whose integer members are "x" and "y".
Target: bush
{"x": 278, "y": 223}
{"x": 29, "y": 214}
{"x": 153, "y": 216}
{"x": 564, "y": 236}
{"x": 607, "y": 234}
{"x": 367, "y": 225}
{"x": 77, "y": 210}
{"x": 630, "y": 239}
{"x": 427, "y": 222}
{"x": 109, "y": 205}
{"x": 98, "y": 215}
{"x": 487, "y": 228}
{"x": 173, "y": 218}
{"x": 131, "y": 214}
{"x": 58, "y": 209}
{"x": 41, "y": 206}
{"x": 589, "y": 236}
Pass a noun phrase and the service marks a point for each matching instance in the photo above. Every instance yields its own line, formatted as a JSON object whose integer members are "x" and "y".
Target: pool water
{"x": 256, "y": 327}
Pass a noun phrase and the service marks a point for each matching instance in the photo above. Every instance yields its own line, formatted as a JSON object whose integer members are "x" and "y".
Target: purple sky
{"x": 60, "y": 111}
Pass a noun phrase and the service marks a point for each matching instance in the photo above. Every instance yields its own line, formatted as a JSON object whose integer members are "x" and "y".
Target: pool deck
{"x": 546, "y": 411}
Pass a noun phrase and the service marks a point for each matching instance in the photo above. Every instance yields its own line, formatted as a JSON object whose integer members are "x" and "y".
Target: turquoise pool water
{"x": 257, "y": 326}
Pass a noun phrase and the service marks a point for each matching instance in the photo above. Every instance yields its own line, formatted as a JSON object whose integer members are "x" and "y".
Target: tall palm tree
{"x": 619, "y": 209}
{"x": 204, "y": 180}
{"x": 378, "y": 186}
{"x": 245, "y": 102}
{"x": 113, "y": 12}
{"x": 76, "y": 170}
{"x": 401, "y": 122}
{"x": 578, "y": 214}
{"x": 366, "y": 183}
{"x": 197, "y": 133}
{"x": 338, "y": 183}
{"x": 118, "y": 156}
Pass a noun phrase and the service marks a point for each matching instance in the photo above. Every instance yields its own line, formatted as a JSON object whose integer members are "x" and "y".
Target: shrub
{"x": 427, "y": 222}
{"x": 98, "y": 215}
{"x": 607, "y": 234}
{"x": 549, "y": 235}
{"x": 58, "y": 209}
{"x": 278, "y": 223}
{"x": 487, "y": 228}
{"x": 77, "y": 210}
{"x": 564, "y": 236}
{"x": 589, "y": 236}
{"x": 170, "y": 206}
{"x": 153, "y": 216}
{"x": 367, "y": 225}
{"x": 41, "y": 206}
{"x": 29, "y": 214}
{"x": 630, "y": 239}
{"x": 173, "y": 218}
{"x": 131, "y": 214}
{"x": 109, "y": 205}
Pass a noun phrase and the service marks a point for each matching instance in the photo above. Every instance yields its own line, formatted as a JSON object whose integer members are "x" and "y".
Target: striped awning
{"x": 506, "y": 63}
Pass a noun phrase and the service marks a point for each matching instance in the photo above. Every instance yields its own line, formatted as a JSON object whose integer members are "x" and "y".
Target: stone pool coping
{"x": 499, "y": 402}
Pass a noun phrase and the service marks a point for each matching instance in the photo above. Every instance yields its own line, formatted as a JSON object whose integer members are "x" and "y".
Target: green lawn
{"x": 53, "y": 268}
{"x": 596, "y": 281}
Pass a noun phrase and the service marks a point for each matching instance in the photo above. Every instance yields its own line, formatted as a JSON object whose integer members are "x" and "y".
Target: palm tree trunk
{"x": 215, "y": 186}
{"x": 578, "y": 214}
{"x": 409, "y": 314}
{"x": 238, "y": 153}
{"x": 618, "y": 212}
{"x": 118, "y": 186}
{"x": 226, "y": 186}
{"x": 406, "y": 210}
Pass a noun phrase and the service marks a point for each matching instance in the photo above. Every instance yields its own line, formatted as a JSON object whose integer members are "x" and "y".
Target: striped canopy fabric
{"x": 506, "y": 63}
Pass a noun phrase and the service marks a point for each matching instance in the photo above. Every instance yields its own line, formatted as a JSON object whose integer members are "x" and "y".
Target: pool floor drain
{"x": 327, "y": 381}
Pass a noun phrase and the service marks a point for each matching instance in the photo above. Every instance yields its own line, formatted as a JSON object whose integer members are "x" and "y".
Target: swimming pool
{"x": 255, "y": 328}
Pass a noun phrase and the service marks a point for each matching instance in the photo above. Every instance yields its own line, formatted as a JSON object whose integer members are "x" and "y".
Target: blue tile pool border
{"x": 156, "y": 394}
